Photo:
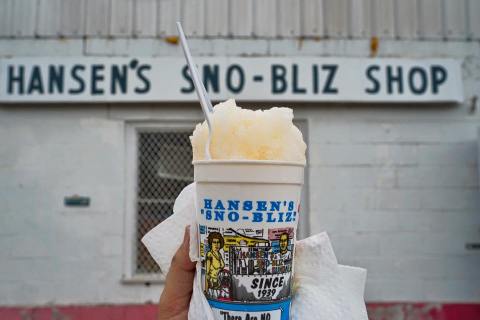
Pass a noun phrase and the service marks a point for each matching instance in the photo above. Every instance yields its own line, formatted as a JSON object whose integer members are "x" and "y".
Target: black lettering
{"x": 56, "y": 78}
{"x": 376, "y": 84}
{"x": 211, "y": 77}
{"x": 119, "y": 79}
{"x": 280, "y": 284}
{"x": 143, "y": 77}
{"x": 268, "y": 283}
{"x": 332, "y": 71}
{"x": 76, "y": 76}
{"x": 35, "y": 83}
{"x": 392, "y": 78}
{"x": 275, "y": 282}
{"x": 423, "y": 80}
{"x": 186, "y": 76}
{"x": 241, "y": 78}
{"x": 439, "y": 76}
{"x": 254, "y": 283}
{"x": 279, "y": 83}
{"x": 295, "y": 87}
{"x": 18, "y": 79}
{"x": 265, "y": 316}
{"x": 315, "y": 78}
{"x": 260, "y": 286}
{"x": 96, "y": 77}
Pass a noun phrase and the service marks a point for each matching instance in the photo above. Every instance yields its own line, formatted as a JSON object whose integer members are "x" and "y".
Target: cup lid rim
{"x": 250, "y": 161}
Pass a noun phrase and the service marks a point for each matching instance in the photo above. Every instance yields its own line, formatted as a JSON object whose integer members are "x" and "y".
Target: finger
{"x": 178, "y": 289}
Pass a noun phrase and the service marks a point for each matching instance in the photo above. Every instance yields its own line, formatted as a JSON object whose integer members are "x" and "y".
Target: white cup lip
{"x": 250, "y": 161}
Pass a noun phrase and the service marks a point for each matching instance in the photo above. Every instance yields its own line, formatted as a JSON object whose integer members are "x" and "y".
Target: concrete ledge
{"x": 41, "y": 47}
{"x": 236, "y": 47}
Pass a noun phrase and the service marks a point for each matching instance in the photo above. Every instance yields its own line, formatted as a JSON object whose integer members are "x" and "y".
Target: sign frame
{"x": 166, "y": 79}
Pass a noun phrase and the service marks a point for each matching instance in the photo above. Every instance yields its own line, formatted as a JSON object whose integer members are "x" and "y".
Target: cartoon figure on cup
{"x": 285, "y": 253}
{"x": 214, "y": 264}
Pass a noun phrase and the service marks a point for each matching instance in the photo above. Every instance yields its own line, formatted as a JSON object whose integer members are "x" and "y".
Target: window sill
{"x": 145, "y": 279}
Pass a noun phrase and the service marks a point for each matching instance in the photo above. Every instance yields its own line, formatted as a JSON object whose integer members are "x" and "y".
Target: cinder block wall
{"x": 397, "y": 190}
{"x": 396, "y": 186}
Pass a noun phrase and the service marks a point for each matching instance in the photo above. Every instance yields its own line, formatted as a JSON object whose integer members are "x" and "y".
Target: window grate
{"x": 164, "y": 169}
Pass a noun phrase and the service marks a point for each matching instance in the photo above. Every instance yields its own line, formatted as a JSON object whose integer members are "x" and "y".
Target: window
{"x": 158, "y": 167}
{"x": 161, "y": 166}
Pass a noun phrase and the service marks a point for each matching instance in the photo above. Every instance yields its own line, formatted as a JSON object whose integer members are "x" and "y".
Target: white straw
{"x": 200, "y": 88}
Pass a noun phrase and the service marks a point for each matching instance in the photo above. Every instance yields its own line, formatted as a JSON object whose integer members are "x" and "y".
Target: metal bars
{"x": 164, "y": 168}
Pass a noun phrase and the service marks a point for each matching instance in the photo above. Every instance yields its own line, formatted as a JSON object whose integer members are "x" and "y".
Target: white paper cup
{"x": 247, "y": 214}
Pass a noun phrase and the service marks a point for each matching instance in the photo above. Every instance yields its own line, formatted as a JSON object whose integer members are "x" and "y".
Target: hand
{"x": 175, "y": 298}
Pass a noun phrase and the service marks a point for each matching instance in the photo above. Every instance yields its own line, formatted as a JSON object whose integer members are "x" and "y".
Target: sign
{"x": 89, "y": 79}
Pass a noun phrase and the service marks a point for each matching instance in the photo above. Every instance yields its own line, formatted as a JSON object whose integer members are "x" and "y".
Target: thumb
{"x": 178, "y": 289}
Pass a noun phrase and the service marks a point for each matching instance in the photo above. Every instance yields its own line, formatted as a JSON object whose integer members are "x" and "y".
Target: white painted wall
{"x": 396, "y": 186}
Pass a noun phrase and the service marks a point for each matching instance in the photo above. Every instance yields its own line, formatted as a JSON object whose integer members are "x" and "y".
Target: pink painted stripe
{"x": 423, "y": 311}
{"x": 376, "y": 311}
{"x": 81, "y": 312}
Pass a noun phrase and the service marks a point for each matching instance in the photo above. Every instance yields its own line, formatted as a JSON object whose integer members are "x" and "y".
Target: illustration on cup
{"x": 214, "y": 264}
{"x": 245, "y": 264}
